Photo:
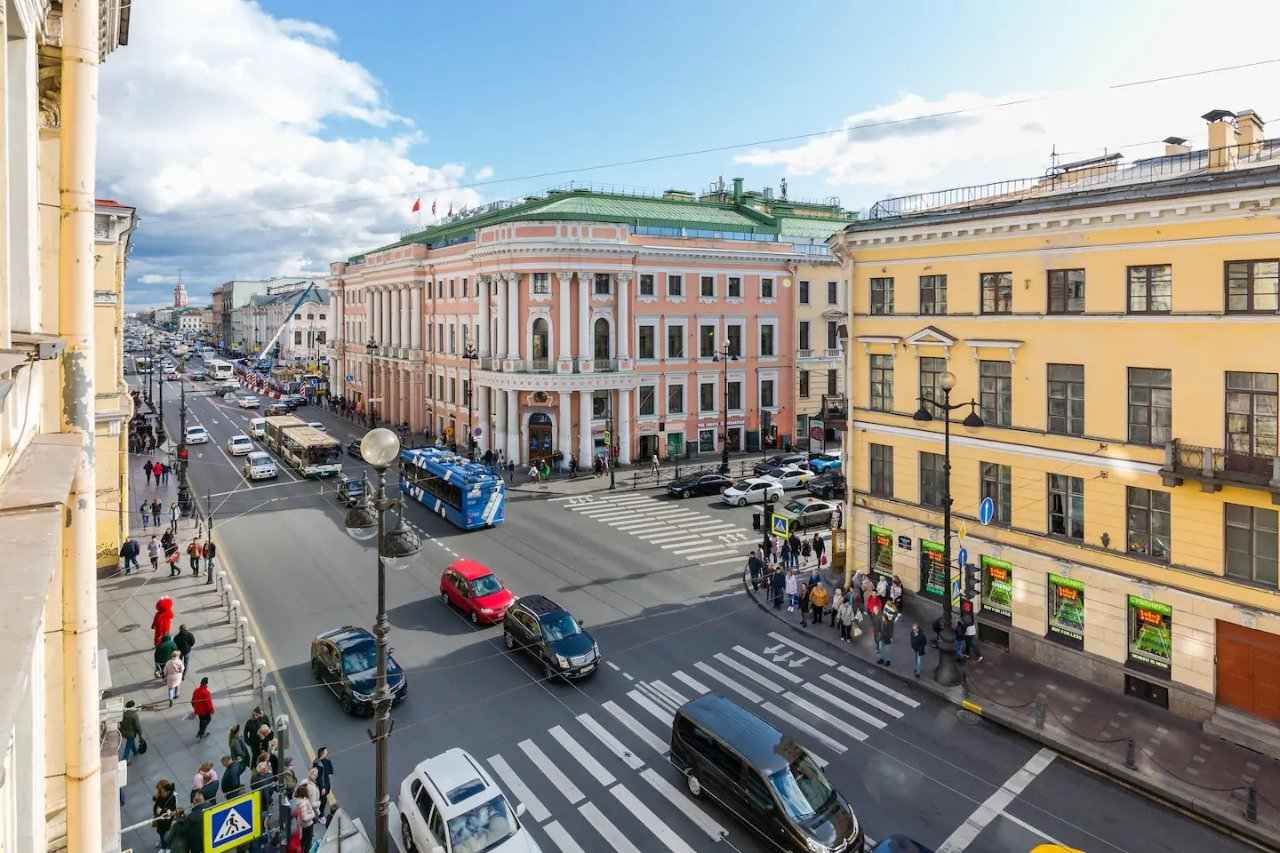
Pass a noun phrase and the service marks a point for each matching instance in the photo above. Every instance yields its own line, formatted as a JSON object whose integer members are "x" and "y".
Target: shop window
{"x": 1066, "y": 611}
{"x": 997, "y": 587}
{"x": 933, "y": 570}
{"x": 706, "y": 441}
{"x": 881, "y": 550}
{"x": 1150, "y": 635}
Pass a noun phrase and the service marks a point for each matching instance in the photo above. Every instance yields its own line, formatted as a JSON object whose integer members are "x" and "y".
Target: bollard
{"x": 1041, "y": 707}
{"x": 223, "y": 585}
{"x": 250, "y": 650}
{"x": 1251, "y": 805}
{"x": 235, "y": 610}
{"x": 1131, "y": 755}
{"x": 242, "y": 629}
{"x": 259, "y": 673}
{"x": 269, "y": 699}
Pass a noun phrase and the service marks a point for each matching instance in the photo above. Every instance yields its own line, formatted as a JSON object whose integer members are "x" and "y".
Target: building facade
{"x": 821, "y": 315}
{"x": 306, "y": 329}
{"x": 225, "y": 300}
{"x": 1116, "y": 327}
{"x": 192, "y": 321}
{"x": 660, "y": 325}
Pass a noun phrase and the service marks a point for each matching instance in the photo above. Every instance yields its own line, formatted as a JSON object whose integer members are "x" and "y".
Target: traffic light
{"x": 972, "y": 585}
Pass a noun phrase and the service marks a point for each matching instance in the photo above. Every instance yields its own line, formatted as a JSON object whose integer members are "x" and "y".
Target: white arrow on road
{"x": 768, "y": 650}
{"x": 797, "y": 662}
{"x": 780, "y": 658}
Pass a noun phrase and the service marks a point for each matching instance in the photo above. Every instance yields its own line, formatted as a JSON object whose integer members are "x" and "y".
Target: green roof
{"x": 818, "y": 229}
{"x": 690, "y": 214}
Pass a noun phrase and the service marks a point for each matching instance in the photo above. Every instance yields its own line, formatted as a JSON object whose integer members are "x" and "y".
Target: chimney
{"x": 1175, "y": 145}
{"x": 1222, "y": 138}
{"x": 737, "y": 190}
{"x": 1249, "y": 126}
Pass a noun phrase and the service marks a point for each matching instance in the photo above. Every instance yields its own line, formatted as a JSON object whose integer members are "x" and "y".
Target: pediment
{"x": 931, "y": 336}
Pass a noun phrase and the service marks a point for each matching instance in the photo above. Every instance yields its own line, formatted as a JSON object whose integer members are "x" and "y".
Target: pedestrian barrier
{"x": 259, "y": 673}
{"x": 250, "y": 649}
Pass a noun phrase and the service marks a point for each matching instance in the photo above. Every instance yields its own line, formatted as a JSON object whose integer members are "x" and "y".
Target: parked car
{"x": 698, "y": 484}
{"x": 247, "y": 401}
{"x": 293, "y": 401}
{"x": 827, "y": 461}
{"x": 804, "y": 513}
{"x": 754, "y": 490}
{"x": 196, "y": 435}
{"x": 274, "y": 409}
{"x": 351, "y": 490}
{"x": 450, "y": 803}
{"x": 537, "y": 625}
{"x": 903, "y": 844}
{"x": 239, "y": 445}
{"x": 791, "y": 477}
{"x": 345, "y": 660}
{"x": 353, "y": 449}
{"x": 828, "y": 485}
{"x": 260, "y": 466}
{"x": 780, "y": 460}
{"x": 474, "y": 589}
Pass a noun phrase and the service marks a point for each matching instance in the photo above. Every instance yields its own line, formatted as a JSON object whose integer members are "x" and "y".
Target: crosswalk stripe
{"x": 713, "y": 546}
{"x": 646, "y": 526}
{"x": 846, "y": 707}
{"x": 697, "y": 685}
{"x": 613, "y": 513}
{"x": 643, "y": 701}
{"x": 822, "y": 659}
{"x": 586, "y": 759}
{"x": 657, "y": 697}
{"x": 862, "y": 697}
{"x": 746, "y": 692}
{"x": 558, "y": 780}
{"x": 670, "y": 691}
{"x": 804, "y": 727}
{"x": 656, "y": 825}
{"x": 748, "y": 672}
{"x": 560, "y": 838}
{"x": 607, "y": 830}
{"x": 839, "y": 724}
{"x": 646, "y": 519}
{"x": 610, "y": 509}
{"x": 518, "y": 788}
{"x": 637, "y": 728}
{"x": 607, "y": 502}
{"x": 681, "y": 541}
{"x": 706, "y": 525}
{"x": 768, "y": 664}
{"x": 673, "y": 795}
{"x": 611, "y": 743}
{"x": 875, "y": 685}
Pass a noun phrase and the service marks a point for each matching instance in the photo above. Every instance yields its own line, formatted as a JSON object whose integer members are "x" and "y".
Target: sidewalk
{"x": 638, "y": 477}
{"x": 1167, "y": 756}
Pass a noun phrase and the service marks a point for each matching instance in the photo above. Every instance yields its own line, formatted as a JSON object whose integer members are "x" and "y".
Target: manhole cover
{"x": 968, "y": 717}
{"x": 131, "y": 626}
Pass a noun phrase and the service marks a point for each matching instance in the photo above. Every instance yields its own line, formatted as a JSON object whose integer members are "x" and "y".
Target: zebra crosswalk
{"x": 683, "y": 532}
{"x": 602, "y": 780}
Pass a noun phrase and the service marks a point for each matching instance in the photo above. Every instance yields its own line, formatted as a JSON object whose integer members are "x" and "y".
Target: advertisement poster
{"x": 1150, "y": 633}
{"x": 1066, "y": 610}
{"x": 881, "y": 550}
{"x": 933, "y": 573}
{"x": 997, "y": 586}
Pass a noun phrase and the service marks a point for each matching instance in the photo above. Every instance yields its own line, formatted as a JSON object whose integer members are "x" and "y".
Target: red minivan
{"x": 475, "y": 590}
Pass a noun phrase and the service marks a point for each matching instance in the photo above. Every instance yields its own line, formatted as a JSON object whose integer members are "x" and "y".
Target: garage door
{"x": 1249, "y": 671}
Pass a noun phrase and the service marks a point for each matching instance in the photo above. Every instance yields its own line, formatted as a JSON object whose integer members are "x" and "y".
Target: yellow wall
{"x": 113, "y": 402}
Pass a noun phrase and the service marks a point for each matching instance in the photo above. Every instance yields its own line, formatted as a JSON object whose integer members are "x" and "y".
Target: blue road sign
{"x": 962, "y": 558}
{"x": 986, "y": 511}
{"x": 233, "y": 823}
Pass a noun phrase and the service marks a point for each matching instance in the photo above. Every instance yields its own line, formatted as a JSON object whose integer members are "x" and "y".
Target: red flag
{"x": 417, "y": 205}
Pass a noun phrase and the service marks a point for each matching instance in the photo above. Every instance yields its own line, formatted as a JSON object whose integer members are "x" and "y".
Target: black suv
{"x": 346, "y": 661}
{"x": 544, "y": 629}
{"x": 829, "y": 484}
{"x": 698, "y": 484}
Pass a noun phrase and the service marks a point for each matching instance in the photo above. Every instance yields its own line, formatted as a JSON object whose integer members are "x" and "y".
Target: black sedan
{"x": 698, "y": 484}
{"x": 829, "y": 484}
{"x": 353, "y": 449}
{"x": 346, "y": 661}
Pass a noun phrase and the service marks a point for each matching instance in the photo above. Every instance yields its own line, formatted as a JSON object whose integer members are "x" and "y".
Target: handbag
{"x": 141, "y": 748}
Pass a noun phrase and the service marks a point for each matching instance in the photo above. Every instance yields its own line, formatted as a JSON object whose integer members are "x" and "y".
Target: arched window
{"x": 541, "y": 339}
{"x": 602, "y": 338}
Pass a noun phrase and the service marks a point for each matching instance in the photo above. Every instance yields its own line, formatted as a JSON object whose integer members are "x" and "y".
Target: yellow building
{"x": 821, "y": 309}
{"x": 1117, "y": 325}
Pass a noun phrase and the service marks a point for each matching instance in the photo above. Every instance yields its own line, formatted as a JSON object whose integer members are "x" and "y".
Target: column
{"x": 513, "y": 316}
{"x": 622, "y": 423}
{"x": 586, "y": 447}
{"x": 482, "y": 283}
{"x": 384, "y": 317}
{"x": 584, "y": 321}
{"x": 402, "y": 317}
{"x": 564, "y": 436}
{"x": 500, "y": 287}
{"x": 482, "y": 412}
{"x": 415, "y": 317}
{"x": 624, "y": 310}
{"x": 393, "y": 316}
{"x": 564, "y": 327}
{"x": 371, "y": 314}
{"x": 514, "y": 447}
{"x": 500, "y": 414}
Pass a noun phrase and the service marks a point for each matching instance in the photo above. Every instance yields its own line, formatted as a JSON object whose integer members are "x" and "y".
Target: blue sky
{"x": 268, "y": 138}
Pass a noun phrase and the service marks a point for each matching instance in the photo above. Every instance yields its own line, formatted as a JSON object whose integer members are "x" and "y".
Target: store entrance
{"x": 540, "y": 443}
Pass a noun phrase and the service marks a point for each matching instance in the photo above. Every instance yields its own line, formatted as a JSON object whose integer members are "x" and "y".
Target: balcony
{"x": 605, "y": 365}
{"x": 1214, "y": 468}
{"x": 833, "y": 353}
{"x": 804, "y": 353}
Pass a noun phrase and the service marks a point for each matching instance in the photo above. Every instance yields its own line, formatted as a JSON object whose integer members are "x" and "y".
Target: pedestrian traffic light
{"x": 971, "y": 581}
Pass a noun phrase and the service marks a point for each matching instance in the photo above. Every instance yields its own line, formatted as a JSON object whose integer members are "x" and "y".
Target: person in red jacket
{"x": 163, "y": 620}
{"x": 202, "y": 706}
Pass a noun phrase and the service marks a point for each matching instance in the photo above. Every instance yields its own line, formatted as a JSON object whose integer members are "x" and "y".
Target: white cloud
{"x": 484, "y": 173}
{"x": 251, "y": 147}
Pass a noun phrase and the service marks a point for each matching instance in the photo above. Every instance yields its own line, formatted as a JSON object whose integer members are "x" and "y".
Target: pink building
{"x": 572, "y": 310}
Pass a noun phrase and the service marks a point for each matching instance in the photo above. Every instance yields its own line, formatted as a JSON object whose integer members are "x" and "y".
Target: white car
{"x": 258, "y": 427}
{"x": 790, "y": 476}
{"x": 239, "y": 445}
{"x": 754, "y": 490}
{"x": 260, "y": 466}
{"x": 248, "y": 401}
{"x": 449, "y": 804}
{"x": 196, "y": 435}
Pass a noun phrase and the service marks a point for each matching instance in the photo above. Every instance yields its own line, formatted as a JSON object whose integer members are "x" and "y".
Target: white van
{"x": 258, "y": 427}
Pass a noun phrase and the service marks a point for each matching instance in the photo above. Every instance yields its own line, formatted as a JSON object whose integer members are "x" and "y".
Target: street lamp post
{"x": 471, "y": 354}
{"x": 380, "y": 447}
{"x": 947, "y": 673}
{"x": 725, "y": 355}
{"x": 372, "y": 349}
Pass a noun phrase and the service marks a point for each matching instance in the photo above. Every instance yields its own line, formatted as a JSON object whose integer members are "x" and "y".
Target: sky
{"x": 273, "y": 137}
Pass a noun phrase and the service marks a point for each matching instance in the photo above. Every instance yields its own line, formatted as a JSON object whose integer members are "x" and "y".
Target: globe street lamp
{"x": 396, "y": 548}
{"x": 947, "y": 673}
{"x": 725, "y": 355}
{"x": 372, "y": 349}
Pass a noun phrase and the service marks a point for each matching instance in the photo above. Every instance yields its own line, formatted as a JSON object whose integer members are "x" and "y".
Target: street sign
{"x": 815, "y": 433}
{"x": 350, "y": 378}
{"x": 962, "y": 558}
{"x": 477, "y": 432}
{"x": 957, "y": 584}
{"x": 986, "y": 510}
{"x": 233, "y": 823}
{"x": 904, "y": 542}
{"x": 781, "y": 525}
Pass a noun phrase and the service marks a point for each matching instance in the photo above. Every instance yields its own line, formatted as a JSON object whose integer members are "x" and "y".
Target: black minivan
{"x": 764, "y": 777}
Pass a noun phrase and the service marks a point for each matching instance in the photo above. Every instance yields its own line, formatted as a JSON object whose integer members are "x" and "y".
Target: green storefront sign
{"x": 933, "y": 571}
{"x": 997, "y": 586}
{"x": 1150, "y": 633}
{"x": 1066, "y": 609}
{"x": 881, "y": 550}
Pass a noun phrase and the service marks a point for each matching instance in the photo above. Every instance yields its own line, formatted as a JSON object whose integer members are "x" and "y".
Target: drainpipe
{"x": 76, "y": 172}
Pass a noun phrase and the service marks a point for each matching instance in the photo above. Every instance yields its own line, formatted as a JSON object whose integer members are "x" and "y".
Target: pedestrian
{"x": 153, "y": 552}
{"x": 232, "y": 770}
{"x": 802, "y": 594}
{"x": 174, "y": 515}
{"x": 786, "y": 554}
{"x": 837, "y": 601}
{"x": 165, "y": 468}
{"x": 145, "y": 511}
{"x": 653, "y": 463}
{"x": 173, "y": 671}
{"x": 194, "y": 550}
{"x": 818, "y": 598}
{"x": 236, "y": 745}
{"x": 288, "y": 784}
{"x": 777, "y": 586}
{"x": 838, "y": 517}
{"x": 130, "y": 731}
{"x": 819, "y": 548}
{"x": 846, "y": 615}
{"x": 918, "y": 645}
{"x": 163, "y": 805}
{"x": 895, "y": 592}
{"x": 792, "y": 589}
{"x": 264, "y": 739}
{"x": 251, "y": 725}
{"x": 185, "y": 641}
{"x": 313, "y": 792}
{"x": 754, "y": 569}
{"x": 163, "y": 620}
{"x": 324, "y": 777}
{"x": 882, "y": 587}
{"x": 884, "y": 634}
{"x": 147, "y": 469}
{"x": 156, "y": 470}
{"x": 129, "y": 551}
{"x": 263, "y": 779}
{"x": 171, "y": 556}
{"x": 210, "y": 553}
{"x": 177, "y": 840}
{"x": 302, "y": 816}
{"x": 202, "y": 707}
{"x": 155, "y": 512}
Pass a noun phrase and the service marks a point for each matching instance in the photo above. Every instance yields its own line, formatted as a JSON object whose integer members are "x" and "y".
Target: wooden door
{"x": 1249, "y": 670}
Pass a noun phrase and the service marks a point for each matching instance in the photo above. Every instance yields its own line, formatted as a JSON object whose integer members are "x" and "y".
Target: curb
{"x": 1102, "y": 764}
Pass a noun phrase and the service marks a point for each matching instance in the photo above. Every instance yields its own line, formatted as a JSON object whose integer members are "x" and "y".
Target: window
{"x": 833, "y": 335}
{"x": 645, "y": 343}
{"x": 1066, "y": 399}
{"x": 707, "y": 397}
{"x": 997, "y": 586}
{"x": 766, "y": 393}
{"x": 320, "y": 337}
{"x": 833, "y": 382}
{"x": 735, "y": 396}
{"x": 602, "y": 284}
{"x": 997, "y": 292}
{"x": 297, "y": 316}
{"x": 452, "y": 282}
{"x": 735, "y": 287}
{"x": 648, "y": 404}
{"x": 541, "y": 284}
{"x": 733, "y": 334}
{"x": 321, "y": 316}
{"x": 707, "y": 341}
{"x": 933, "y": 294}
{"x": 882, "y": 383}
{"x": 1150, "y": 634}
{"x": 882, "y": 470}
{"x": 708, "y": 287}
{"x": 453, "y": 338}
{"x": 675, "y": 341}
{"x": 1066, "y": 291}
{"x": 932, "y": 479}
{"x": 707, "y": 444}
{"x": 833, "y": 293}
{"x": 995, "y": 384}
{"x": 453, "y": 389}
{"x": 766, "y": 340}
{"x": 599, "y": 405}
{"x": 297, "y": 338}
{"x": 1253, "y": 286}
{"x": 804, "y": 384}
{"x": 1066, "y": 610}
{"x": 931, "y": 371}
{"x": 804, "y": 335}
{"x": 675, "y": 399}
{"x": 881, "y": 550}
{"x": 646, "y": 284}
{"x": 881, "y": 296}
{"x": 1151, "y": 289}
{"x": 1147, "y": 523}
{"x": 464, "y": 288}
{"x": 675, "y": 285}
{"x": 1150, "y": 405}
{"x": 1066, "y": 506}
{"x": 766, "y": 288}
{"x": 1252, "y": 411}
{"x": 1251, "y": 544}
{"x": 804, "y": 293}
{"x": 997, "y": 485}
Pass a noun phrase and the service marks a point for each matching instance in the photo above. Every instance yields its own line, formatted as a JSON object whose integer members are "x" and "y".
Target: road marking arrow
{"x": 780, "y": 658}
{"x": 768, "y": 650}
{"x": 797, "y": 662}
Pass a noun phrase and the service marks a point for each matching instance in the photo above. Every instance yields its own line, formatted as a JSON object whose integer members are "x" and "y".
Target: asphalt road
{"x": 659, "y": 585}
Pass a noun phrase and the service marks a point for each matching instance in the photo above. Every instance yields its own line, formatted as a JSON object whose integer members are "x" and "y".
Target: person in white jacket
{"x": 173, "y": 672}
{"x": 792, "y": 590}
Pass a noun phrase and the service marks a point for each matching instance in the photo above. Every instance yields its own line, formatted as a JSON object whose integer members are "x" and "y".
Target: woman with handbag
{"x": 163, "y": 804}
{"x": 303, "y": 819}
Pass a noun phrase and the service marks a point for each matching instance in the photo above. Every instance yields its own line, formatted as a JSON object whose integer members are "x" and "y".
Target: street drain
{"x": 129, "y": 627}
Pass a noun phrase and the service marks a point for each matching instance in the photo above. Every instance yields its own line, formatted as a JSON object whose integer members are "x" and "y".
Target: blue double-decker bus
{"x": 468, "y": 494}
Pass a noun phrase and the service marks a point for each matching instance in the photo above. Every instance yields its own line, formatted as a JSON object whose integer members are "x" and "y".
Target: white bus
{"x": 219, "y": 370}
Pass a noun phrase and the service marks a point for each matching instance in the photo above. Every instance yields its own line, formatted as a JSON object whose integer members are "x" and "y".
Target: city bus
{"x": 467, "y": 494}
{"x": 309, "y": 451}
{"x": 141, "y": 364}
{"x": 219, "y": 370}
{"x": 274, "y": 428}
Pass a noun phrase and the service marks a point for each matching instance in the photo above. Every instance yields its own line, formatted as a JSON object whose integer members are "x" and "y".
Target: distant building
{"x": 226, "y": 299}
{"x": 193, "y": 320}
{"x": 308, "y": 328}
{"x": 179, "y": 295}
